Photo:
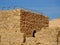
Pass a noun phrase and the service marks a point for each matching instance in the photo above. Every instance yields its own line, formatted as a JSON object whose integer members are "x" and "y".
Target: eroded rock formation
{"x": 18, "y": 26}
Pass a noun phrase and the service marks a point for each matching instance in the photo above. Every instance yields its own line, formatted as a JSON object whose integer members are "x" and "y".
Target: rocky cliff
{"x": 10, "y": 31}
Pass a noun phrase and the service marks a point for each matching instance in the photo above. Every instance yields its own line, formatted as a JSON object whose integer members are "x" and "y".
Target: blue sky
{"x": 49, "y": 8}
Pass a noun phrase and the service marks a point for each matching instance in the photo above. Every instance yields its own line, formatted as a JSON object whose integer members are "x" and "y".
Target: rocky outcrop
{"x": 32, "y": 22}
{"x": 10, "y": 29}
{"x": 47, "y": 36}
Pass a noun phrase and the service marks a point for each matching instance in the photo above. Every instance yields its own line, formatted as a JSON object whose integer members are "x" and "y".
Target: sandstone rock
{"x": 10, "y": 28}
{"x": 54, "y": 23}
{"x": 47, "y": 36}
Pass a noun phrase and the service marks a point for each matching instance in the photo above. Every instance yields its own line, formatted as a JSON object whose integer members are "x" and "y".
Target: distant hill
{"x": 54, "y": 23}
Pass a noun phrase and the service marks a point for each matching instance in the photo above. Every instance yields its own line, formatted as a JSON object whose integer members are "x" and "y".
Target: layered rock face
{"x": 32, "y": 22}
{"x": 14, "y": 22}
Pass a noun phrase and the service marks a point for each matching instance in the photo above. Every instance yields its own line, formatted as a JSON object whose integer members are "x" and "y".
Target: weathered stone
{"x": 31, "y": 22}
{"x": 17, "y": 24}
{"x": 47, "y": 36}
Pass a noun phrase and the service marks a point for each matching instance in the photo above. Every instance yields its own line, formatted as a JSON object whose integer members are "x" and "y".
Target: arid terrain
{"x": 47, "y": 36}
{"x": 10, "y": 31}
